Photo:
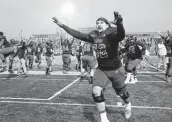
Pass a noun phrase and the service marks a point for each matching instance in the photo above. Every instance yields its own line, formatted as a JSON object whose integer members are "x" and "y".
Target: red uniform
{"x": 30, "y": 55}
{"x": 88, "y": 58}
{"x": 67, "y": 51}
{"x": 106, "y": 46}
{"x": 38, "y": 53}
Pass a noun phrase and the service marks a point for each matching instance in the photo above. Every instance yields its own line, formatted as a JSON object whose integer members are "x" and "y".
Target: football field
{"x": 63, "y": 98}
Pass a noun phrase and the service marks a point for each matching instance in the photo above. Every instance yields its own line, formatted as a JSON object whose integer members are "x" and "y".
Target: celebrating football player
{"x": 106, "y": 41}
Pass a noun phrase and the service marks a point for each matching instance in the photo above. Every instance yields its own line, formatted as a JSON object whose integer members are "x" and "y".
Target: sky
{"x": 27, "y": 17}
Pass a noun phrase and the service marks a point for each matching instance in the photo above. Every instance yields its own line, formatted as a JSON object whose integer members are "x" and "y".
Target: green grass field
{"x": 63, "y": 98}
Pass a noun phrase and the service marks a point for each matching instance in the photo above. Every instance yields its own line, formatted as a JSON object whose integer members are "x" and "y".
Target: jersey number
{"x": 65, "y": 48}
{"x": 101, "y": 50}
{"x": 86, "y": 48}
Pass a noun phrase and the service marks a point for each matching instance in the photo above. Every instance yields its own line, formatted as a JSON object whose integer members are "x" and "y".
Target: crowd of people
{"x": 106, "y": 53}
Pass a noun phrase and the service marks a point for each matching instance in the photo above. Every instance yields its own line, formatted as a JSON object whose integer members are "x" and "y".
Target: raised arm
{"x": 118, "y": 33}
{"x": 74, "y": 33}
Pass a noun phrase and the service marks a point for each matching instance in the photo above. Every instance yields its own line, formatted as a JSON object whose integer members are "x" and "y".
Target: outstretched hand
{"x": 117, "y": 18}
{"x": 55, "y": 20}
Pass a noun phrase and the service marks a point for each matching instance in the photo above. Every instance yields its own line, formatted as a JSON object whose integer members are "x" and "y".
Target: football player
{"x": 48, "y": 56}
{"x": 38, "y": 53}
{"x": 168, "y": 44}
{"x": 134, "y": 50}
{"x": 66, "y": 53}
{"x": 30, "y": 55}
{"x": 106, "y": 41}
{"x": 6, "y": 49}
{"x": 88, "y": 59}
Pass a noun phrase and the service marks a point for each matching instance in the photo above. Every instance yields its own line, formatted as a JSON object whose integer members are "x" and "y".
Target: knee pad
{"x": 124, "y": 95}
{"x": 99, "y": 99}
{"x": 128, "y": 70}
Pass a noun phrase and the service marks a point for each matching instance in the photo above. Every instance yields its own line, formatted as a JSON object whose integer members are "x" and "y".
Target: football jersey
{"x": 39, "y": 50}
{"x": 49, "y": 50}
{"x": 105, "y": 44}
{"x": 168, "y": 45}
{"x": 30, "y": 50}
{"x": 87, "y": 49}
{"x": 66, "y": 47}
{"x": 134, "y": 49}
{"x": 4, "y": 42}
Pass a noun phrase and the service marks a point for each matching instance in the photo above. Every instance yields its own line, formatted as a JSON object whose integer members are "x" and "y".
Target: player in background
{"x": 48, "y": 55}
{"x": 6, "y": 49}
{"x": 30, "y": 55}
{"x": 10, "y": 56}
{"x": 88, "y": 59}
{"x": 52, "y": 56}
{"x": 106, "y": 41}
{"x": 134, "y": 50}
{"x": 66, "y": 53}
{"x": 38, "y": 52}
{"x": 22, "y": 70}
{"x": 78, "y": 53}
{"x": 120, "y": 53}
{"x": 168, "y": 44}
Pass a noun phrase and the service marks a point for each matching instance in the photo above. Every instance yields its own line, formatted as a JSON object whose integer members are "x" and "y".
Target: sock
{"x": 103, "y": 115}
{"x": 101, "y": 109}
{"x": 128, "y": 77}
{"x": 92, "y": 72}
{"x": 47, "y": 70}
{"x": 82, "y": 71}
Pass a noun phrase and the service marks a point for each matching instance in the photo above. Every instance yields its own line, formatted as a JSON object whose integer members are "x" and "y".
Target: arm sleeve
{"x": 77, "y": 34}
{"x": 118, "y": 33}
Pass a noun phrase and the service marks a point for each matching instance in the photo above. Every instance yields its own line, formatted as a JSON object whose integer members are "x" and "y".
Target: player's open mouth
{"x": 99, "y": 28}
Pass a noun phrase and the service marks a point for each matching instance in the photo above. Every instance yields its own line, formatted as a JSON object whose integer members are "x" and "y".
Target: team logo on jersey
{"x": 98, "y": 41}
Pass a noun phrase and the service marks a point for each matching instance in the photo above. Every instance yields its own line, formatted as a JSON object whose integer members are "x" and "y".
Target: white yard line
{"x": 11, "y": 98}
{"x": 155, "y": 81}
{"x": 149, "y": 75}
{"x": 48, "y": 79}
{"x": 66, "y": 87}
{"x": 85, "y": 105}
{"x": 149, "y": 72}
{"x": 43, "y": 73}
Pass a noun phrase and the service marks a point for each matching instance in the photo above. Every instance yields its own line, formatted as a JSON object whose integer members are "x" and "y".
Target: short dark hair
{"x": 102, "y": 19}
{"x": 1, "y": 33}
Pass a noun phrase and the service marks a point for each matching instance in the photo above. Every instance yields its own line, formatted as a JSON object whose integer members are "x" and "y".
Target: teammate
{"x": 168, "y": 44}
{"x": 30, "y": 55}
{"x": 66, "y": 53}
{"x": 134, "y": 50}
{"x": 106, "y": 41}
{"x": 48, "y": 54}
{"x": 88, "y": 60}
{"x": 6, "y": 49}
{"x": 38, "y": 53}
{"x": 22, "y": 70}
{"x": 78, "y": 53}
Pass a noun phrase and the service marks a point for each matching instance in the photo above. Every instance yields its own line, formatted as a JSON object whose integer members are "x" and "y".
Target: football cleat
{"x": 128, "y": 110}
{"x": 47, "y": 73}
{"x": 10, "y": 71}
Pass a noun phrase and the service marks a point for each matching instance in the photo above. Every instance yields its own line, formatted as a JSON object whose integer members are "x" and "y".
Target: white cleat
{"x": 128, "y": 110}
{"x": 127, "y": 81}
{"x": 105, "y": 120}
{"x": 135, "y": 80}
{"x": 132, "y": 80}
